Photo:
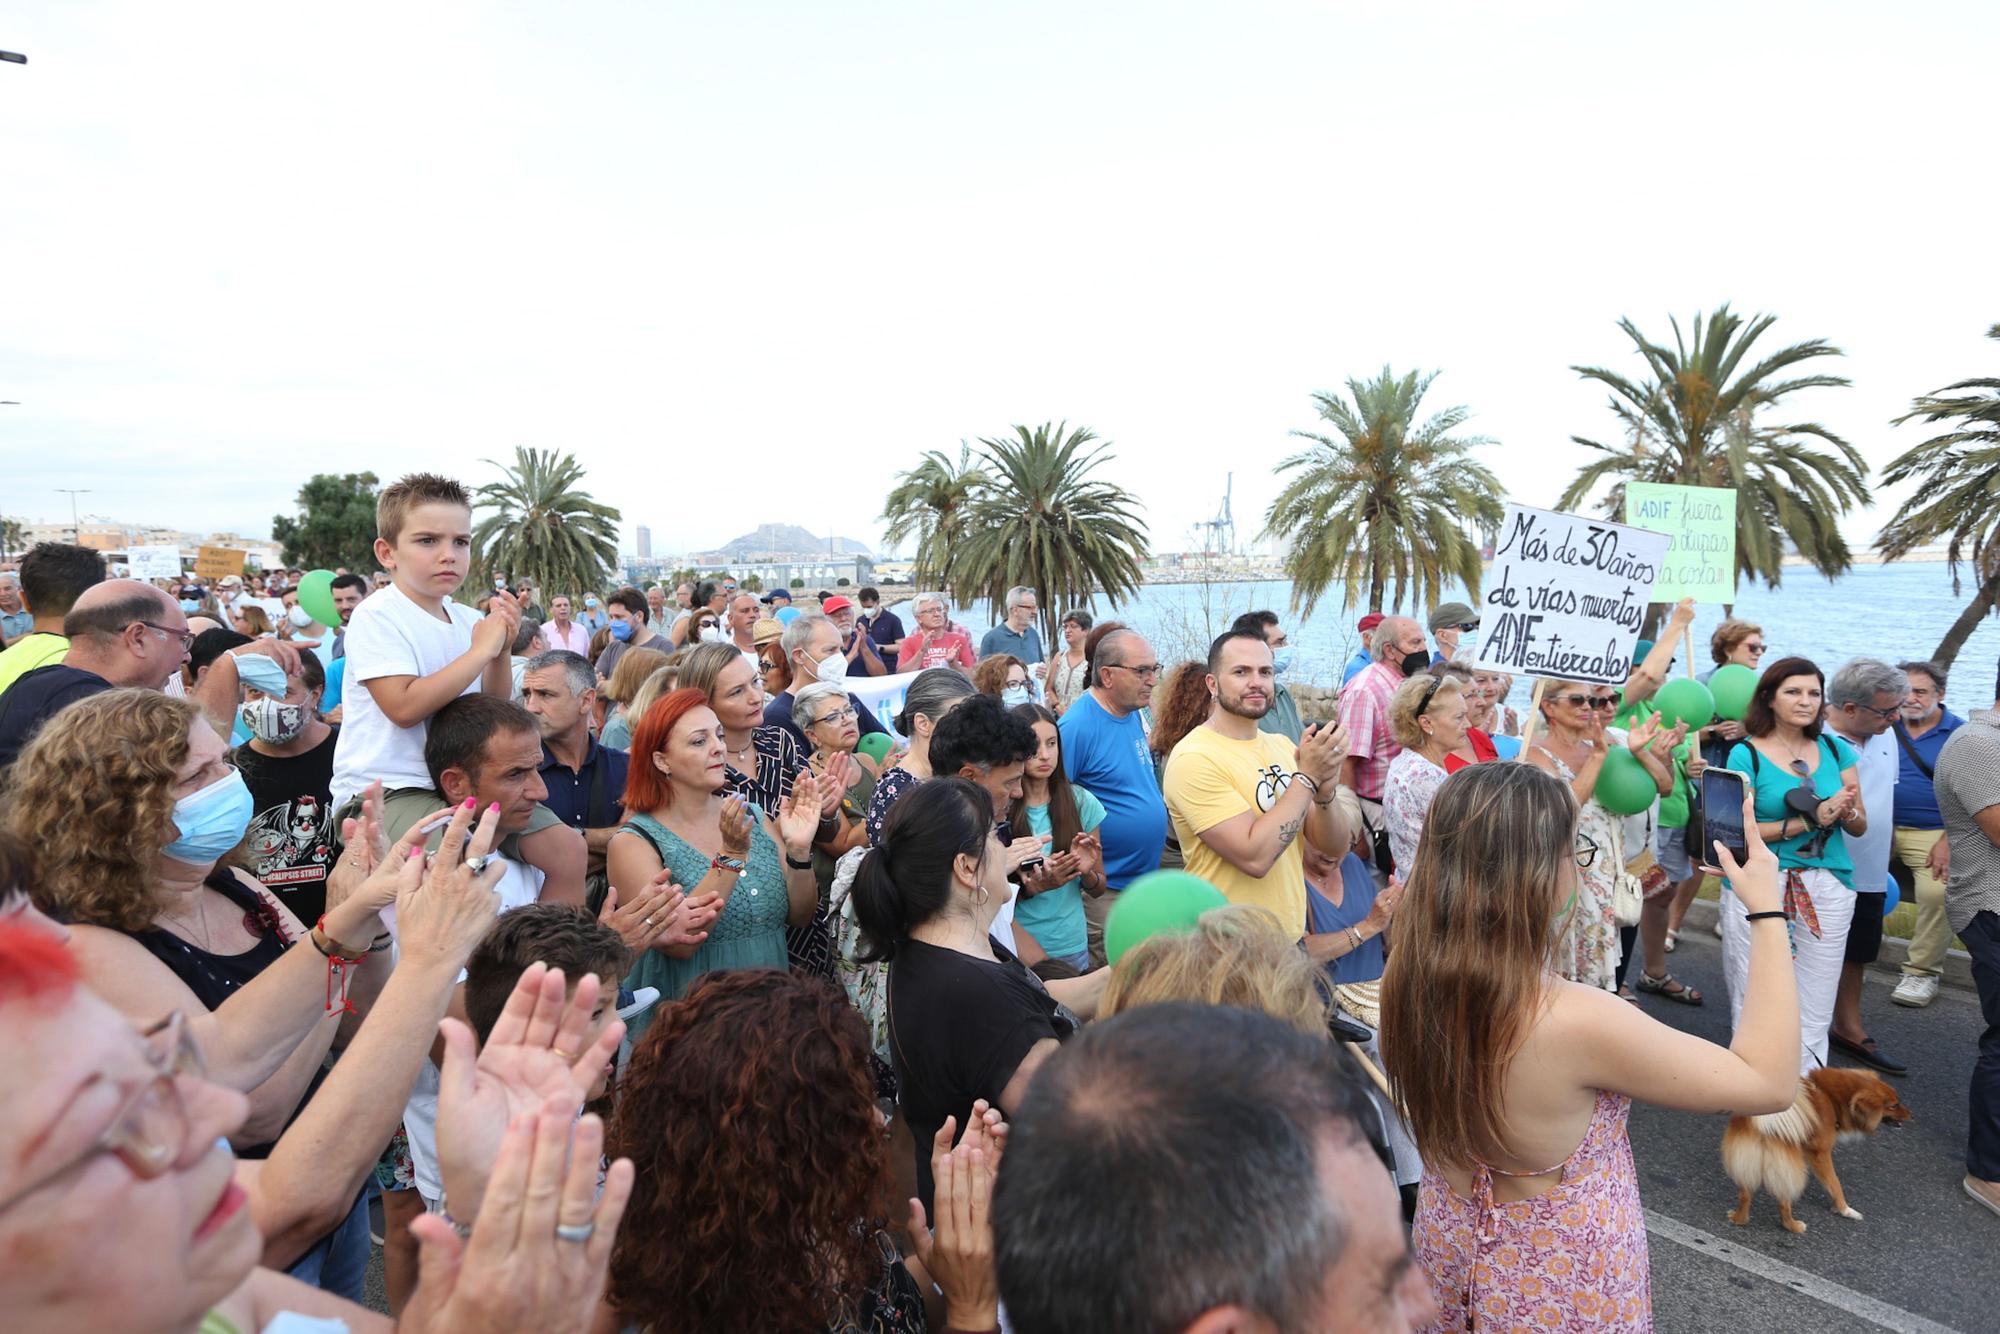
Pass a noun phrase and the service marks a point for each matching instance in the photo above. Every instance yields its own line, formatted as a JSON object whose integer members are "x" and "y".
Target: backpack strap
{"x": 1910, "y": 749}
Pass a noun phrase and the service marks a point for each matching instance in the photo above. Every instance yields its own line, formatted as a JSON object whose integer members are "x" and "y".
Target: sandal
{"x": 1669, "y": 987}
{"x": 1672, "y": 936}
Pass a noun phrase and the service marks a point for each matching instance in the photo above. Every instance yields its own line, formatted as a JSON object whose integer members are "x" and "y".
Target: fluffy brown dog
{"x": 1774, "y": 1152}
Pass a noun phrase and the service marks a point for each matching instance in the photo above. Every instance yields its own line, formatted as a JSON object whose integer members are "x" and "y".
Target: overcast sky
{"x": 747, "y": 260}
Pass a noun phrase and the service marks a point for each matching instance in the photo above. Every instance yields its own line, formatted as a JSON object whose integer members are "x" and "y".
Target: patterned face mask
{"x": 273, "y": 721}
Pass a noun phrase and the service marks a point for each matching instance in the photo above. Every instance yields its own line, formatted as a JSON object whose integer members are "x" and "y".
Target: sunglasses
{"x": 1599, "y": 703}
{"x": 705, "y": 623}
{"x": 1430, "y": 692}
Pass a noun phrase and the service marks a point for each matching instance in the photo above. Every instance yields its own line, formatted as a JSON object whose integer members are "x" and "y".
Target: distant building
{"x": 645, "y": 542}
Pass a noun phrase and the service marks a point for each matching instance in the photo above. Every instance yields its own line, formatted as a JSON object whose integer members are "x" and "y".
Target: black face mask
{"x": 1416, "y": 662}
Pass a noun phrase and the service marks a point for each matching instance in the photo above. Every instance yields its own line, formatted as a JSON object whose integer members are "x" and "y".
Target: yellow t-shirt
{"x": 1211, "y": 778}
{"x": 29, "y": 652}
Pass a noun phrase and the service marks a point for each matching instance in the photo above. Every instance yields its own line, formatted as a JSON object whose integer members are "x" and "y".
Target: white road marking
{"x": 1798, "y": 1280}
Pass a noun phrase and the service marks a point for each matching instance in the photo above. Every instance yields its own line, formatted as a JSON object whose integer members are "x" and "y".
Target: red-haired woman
{"x": 747, "y": 875}
{"x": 759, "y": 1199}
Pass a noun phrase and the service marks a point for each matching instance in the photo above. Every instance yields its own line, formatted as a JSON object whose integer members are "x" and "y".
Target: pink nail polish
{"x": 494, "y": 809}
{"x": 469, "y": 804}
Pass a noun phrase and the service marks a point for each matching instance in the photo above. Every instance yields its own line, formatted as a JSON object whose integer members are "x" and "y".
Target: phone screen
{"x": 1722, "y": 815}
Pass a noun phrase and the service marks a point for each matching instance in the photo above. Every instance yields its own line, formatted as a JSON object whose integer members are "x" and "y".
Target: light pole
{"x": 75, "y": 524}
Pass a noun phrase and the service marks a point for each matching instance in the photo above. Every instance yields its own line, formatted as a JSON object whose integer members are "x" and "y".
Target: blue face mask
{"x": 621, "y": 631}
{"x": 1281, "y": 659}
{"x": 190, "y": 606}
{"x": 212, "y": 820}
{"x": 1015, "y": 696}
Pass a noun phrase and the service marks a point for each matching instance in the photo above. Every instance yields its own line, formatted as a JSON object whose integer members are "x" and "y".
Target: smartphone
{"x": 1722, "y": 816}
{"x": 1006, "y": 832}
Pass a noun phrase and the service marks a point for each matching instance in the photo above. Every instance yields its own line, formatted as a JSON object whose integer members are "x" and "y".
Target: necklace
{"x": 179, "y": 928}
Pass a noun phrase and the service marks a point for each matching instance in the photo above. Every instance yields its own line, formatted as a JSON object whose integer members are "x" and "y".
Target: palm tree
{"x": 1387, "y": 498}
{"x": 930, "y": 503}
{"x": 541, "y": 524}
{"x": 1958, "y": 499}
{"x": 1700, "y": 420}
{"x": 1039, "y": 519}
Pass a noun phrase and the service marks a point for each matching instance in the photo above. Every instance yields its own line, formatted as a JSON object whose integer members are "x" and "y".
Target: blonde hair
{"x": 1403, "y": 723}
{"x": 93, "y": 793}
{"x": 664, "y": 681}
{"x": 1474, "y": 935}
{"x": 634, "y": 666}
{"x": 1236, "y": 955}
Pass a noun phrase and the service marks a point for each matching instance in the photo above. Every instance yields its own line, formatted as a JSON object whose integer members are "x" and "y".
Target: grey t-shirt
{"x": 1968, "y": 782}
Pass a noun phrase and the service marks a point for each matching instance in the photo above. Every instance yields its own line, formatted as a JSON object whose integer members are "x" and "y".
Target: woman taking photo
{"x": 1808, "y": 797}
{"x": 930, "y": 697}
{"x": 746, "y": 875}
{"x": 1050, "y": 906}
{"x": 1572, "y": 745}
{"x": 1067, "y": 677}
{"x": 750, "y": 1117}
{"x": 1427, "y": 718}
{"x": 967, "y": 1021}
{"x": 1504, "y": 1068}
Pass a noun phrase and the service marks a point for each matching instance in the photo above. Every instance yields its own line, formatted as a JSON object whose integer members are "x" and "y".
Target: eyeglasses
{"x": 185, "y": 636}
{"x": 1429, "y": 692}
{"x": 844, "y": 714}
{"x": 766, "y": 665}
{"x": 1586, "y": 851}
{"x": 1602, "y": 703}
{"x": 151, "y": 1125}
{"x": 1886, "y": 715}
{"x": 1150, "y": 669}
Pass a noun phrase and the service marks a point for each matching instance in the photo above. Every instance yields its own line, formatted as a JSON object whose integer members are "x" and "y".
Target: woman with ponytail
{"x": 966, "y": 1020}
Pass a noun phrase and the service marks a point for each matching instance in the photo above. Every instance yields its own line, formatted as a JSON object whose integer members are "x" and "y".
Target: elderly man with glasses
{"x": 1104, "y": 750}
{"x": 125, "y": 632}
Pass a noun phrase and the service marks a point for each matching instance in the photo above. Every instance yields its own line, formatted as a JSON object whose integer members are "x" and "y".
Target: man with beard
{"x": 1241, "y": 797}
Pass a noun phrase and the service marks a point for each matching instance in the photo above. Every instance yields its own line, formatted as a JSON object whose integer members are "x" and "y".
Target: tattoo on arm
{"x": 1289, "y": 830}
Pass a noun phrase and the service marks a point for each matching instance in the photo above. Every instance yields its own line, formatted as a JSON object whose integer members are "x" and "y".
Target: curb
{"x": 1701, "y": 915}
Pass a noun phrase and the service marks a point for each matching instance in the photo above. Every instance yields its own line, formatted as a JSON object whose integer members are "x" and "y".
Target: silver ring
{"x": 575, "y": 1231}
{"x": 477, "y": 865}
{"x": 649, "y": 921}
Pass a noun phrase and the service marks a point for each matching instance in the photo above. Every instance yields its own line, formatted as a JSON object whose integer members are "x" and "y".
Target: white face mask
{"x": 832, "y": 668}
{"x": 299, "y": 617}
{"x": 712, "y": 635}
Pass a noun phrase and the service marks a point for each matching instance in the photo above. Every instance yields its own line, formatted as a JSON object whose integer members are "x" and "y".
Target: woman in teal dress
{"x": 747, "y": 876}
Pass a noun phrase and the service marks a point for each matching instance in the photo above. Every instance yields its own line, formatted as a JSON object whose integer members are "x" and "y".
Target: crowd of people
{"x": 641, "y": 977}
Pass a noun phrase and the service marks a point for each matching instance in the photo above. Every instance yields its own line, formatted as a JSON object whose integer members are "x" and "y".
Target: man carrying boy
{"x": 412, "y": 649}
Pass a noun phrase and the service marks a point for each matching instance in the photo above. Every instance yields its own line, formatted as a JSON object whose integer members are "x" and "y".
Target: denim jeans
{"x": 1982, "y": 1141}
{"x": 338, "y": 1262}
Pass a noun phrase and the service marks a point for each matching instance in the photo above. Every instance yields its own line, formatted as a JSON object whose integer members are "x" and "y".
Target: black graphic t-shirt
{"x": 292, "y": 834}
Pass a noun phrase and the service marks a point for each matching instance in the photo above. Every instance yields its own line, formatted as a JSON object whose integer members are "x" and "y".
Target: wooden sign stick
{"x": 1534, "y": 716}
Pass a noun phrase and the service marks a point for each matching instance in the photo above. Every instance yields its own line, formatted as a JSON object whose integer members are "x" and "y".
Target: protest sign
{"x": 1566, "y": 596}
{"x": 154, "y": 562}
{"x": 883, "y": 695}
{"x": 218, "y": 562}
{"x": 1700, "y": 523}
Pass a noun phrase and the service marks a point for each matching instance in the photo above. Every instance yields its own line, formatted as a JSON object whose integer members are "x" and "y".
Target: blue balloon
{"x": 786, "y": 615}
{"x": 1893, "y": 897}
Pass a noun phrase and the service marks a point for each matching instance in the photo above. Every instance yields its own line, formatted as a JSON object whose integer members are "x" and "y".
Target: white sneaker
{"x": 1916, "y": 990}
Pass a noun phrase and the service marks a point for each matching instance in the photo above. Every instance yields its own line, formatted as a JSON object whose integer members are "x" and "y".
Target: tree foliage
{"x": 1387, "y": 501}
{"x": 931, "y": 503}
{"x": 335, "y": 526}
{"x": 1040, "y": 520}
{"x": 1703, "y": 417}
{"x": 541, "y": 524}
{"x": 1957, "y": 500}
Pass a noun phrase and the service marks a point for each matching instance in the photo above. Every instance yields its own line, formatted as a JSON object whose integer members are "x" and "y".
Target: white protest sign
{"x": 1566, "y": 596}
{"x": 155, "y": 562}
{"x": 883, "y": 695}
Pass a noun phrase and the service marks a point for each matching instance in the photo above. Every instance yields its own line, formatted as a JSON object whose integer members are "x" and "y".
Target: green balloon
{"x": 1685, "y": 701}
{"x": 1159, "y": 903}
{"x": 1732, "y": 687}
{"x": 316, "y": 596}
{"x": 876, "y": 745}
{"x": 1623, "y": 785}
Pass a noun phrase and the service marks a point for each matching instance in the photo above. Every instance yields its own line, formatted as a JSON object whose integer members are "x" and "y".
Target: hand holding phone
{"x": 1752, "y": 873}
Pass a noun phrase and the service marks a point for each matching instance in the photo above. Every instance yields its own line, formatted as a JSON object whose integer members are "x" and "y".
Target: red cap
{"x": 1370, "y": 621}
{"x": 834, "y": 604}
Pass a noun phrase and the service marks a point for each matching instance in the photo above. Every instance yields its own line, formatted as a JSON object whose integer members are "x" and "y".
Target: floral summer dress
{"x": 1572, "y": 1259}
{"x": 1588, "y": 951}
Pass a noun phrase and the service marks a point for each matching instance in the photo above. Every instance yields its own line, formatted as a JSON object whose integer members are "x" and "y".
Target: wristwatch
{"x": 798, "y": 865}
{"x": 725, "y": 862}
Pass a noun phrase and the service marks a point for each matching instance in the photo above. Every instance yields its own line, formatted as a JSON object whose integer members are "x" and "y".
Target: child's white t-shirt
{"x": 389, "y": 635}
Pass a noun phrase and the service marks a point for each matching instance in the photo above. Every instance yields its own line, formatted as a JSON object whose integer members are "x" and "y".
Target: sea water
{"x": 1893, "y": 612}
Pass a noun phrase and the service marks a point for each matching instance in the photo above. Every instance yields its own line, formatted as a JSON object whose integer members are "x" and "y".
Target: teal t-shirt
{"x": 1054, "y": 917}
{"x": 1771, "y": 781}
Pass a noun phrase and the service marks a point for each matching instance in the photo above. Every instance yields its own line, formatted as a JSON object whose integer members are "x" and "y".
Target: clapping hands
{"x": 959, "y": 1255}
{"x": 647, "y": 917}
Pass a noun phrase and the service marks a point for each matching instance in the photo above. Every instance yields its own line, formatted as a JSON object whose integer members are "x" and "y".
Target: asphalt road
{"x": 1923, "y": 1258}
